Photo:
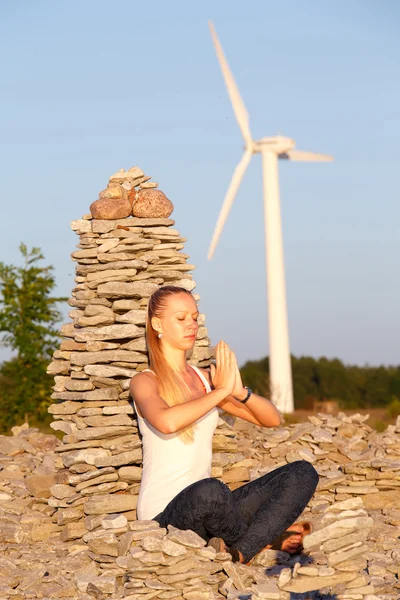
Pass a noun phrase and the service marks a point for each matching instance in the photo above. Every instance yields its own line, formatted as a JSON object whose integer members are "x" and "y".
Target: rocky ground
{"x": 353, "y": 553}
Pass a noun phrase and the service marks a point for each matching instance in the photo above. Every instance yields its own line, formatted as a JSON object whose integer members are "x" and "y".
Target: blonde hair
{"x": 171, "y": 387}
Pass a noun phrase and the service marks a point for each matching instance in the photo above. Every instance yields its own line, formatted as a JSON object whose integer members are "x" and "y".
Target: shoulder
{"x": 143, "y": 380}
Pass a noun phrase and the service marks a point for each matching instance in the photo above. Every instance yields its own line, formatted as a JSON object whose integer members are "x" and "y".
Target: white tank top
{"x": 170, "y": 465}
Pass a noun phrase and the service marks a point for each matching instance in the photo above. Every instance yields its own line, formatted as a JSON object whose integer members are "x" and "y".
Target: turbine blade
{"x": 229, "y": 198}
{"x": 303, "y": 155}
{"x": 239, "y": 108}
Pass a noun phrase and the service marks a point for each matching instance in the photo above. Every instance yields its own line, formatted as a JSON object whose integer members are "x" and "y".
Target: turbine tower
{"x": 270, "y": 148}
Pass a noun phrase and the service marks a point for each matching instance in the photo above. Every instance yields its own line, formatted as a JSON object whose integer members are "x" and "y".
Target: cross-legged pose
{"x": 177, "y": 406}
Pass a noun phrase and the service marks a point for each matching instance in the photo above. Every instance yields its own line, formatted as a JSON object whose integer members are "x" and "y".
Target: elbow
{"x": 165, "y": 429}
{"x": 274, "y": 420}
{"x": 166, "y": 425}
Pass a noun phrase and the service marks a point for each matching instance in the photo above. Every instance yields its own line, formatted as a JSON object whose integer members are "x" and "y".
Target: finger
{"x": 222, "y": 358}
{"x": 218, "y": 355}
{"x": 235, "y": 361}
{"x": 227, "y": 364}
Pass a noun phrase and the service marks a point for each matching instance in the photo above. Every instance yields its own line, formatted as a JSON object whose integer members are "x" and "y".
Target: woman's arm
{"x": 257, "y": 410}
{"x": 170, "y": 419}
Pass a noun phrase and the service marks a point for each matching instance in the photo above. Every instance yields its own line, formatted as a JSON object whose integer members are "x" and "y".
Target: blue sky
{"x": 90, "y": 87}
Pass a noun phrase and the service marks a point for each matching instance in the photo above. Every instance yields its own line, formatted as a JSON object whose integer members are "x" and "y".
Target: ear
{"x": 156, "y": 324}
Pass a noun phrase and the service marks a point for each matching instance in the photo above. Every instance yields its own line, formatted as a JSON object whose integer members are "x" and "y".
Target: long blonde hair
{"x": 171, "y": 387}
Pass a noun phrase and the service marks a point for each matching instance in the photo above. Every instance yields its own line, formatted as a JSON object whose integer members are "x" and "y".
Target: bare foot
{"x": 218, "y": 544}
{"x": 237, "y": 556}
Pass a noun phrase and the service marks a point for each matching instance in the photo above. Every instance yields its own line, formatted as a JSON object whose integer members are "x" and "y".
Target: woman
{"x": 177, "y": 406}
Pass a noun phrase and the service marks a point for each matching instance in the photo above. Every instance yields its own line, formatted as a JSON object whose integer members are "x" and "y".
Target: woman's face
{"x": 179, "y": 321}
{"x": 292, "y": 543}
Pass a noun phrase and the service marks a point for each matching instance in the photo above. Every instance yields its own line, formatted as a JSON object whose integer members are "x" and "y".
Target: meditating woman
{"x": 177, "y": 406}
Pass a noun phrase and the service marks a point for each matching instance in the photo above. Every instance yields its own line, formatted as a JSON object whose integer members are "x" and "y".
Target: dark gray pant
{"x": 248, "y": 518}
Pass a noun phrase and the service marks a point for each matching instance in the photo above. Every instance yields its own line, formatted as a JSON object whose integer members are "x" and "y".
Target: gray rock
{"x": 336, "y": 530}
{"x": 104, "y": 393}
{"x": 117, "y": 460}
{"x": 130, "y": 474}
{"x": 156, "y": 544}
{"x": 106, "y": 226}
{"x": 345, "y": 540}
{"x": 118, "y": 410}
{"x": 103, "y": 421}
{"x": 106, "y": 356}
{"x": 306, "y": 584}
{"x": 114, "y": 522}
{"x": 80, "y": 226}
{"x": 102, "y": 542}
{"x": 83, "y": 455}
{"x": 186, "y": 538}
{"x": 126, "y": 290}
{"x": 98, "y": 433}
{"x": 109, "y": 371}
{"x": 110, "y": 503}
{"x": 106, "y": 478}
{"x": 137, "y": 317}
{"x": 61, "y": 491}
{"x": 109, "y": 332}
{"x": 345, "y": 554}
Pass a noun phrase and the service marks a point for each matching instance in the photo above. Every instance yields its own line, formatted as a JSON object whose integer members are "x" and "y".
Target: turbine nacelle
{"x": 277, "y": 144}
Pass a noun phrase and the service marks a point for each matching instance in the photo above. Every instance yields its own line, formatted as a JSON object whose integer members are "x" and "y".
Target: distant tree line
{"x": 353, "y": 387}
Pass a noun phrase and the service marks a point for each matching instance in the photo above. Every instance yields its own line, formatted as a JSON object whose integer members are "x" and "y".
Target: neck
{"x": 176, "y": 359}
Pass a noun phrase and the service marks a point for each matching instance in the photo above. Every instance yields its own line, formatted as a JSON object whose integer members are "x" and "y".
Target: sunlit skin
{"x": 293, "y": 543}
{"x": 178, "y": 325}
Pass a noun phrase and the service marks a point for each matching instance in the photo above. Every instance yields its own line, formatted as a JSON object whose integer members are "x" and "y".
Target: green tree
{"x": 28, "y": 318}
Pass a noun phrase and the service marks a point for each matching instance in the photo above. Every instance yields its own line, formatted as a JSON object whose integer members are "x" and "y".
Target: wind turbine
{"x": 270, "y": 148}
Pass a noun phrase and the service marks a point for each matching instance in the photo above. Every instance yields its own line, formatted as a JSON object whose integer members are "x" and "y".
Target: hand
{"x": 223, "y": 375}
{"x": 239, "y": 391}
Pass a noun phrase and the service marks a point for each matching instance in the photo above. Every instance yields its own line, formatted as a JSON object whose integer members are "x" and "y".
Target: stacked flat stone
{"x": 343, "y": 564}
{"x": 337, "y": 563}
{"x": 120, "y": 263}
{"x": 42, "y": 553}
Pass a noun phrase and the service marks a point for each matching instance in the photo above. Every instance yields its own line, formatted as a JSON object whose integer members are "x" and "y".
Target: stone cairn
{"x": 68, "y": 526}
{"x": 127, "y": 249}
